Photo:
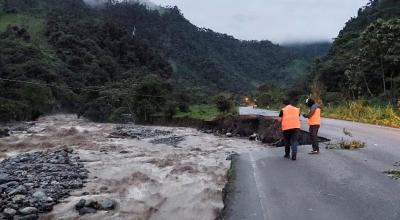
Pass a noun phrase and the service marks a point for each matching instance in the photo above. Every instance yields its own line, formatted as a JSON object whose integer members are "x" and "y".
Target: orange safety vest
{"x": 290, "y": 118}
{"x": 315, "y": 119}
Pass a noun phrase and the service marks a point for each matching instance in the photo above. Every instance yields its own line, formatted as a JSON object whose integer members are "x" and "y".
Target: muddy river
{"x": 151, "y": 172}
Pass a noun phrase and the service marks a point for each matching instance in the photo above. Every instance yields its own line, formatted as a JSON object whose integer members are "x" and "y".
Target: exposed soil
{"x": 267, "y": 129}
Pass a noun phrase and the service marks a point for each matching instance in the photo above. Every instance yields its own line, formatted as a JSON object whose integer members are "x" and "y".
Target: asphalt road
{"x": 335, "y": 185}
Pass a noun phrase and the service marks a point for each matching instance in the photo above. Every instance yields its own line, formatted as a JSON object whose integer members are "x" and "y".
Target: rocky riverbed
{"x": 33, "y": 183}
{"x": 141, "y": 172}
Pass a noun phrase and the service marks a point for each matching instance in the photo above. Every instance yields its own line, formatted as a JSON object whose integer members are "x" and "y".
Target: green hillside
{"x": 87, "y": 60}
{"x": 364, "y": 60}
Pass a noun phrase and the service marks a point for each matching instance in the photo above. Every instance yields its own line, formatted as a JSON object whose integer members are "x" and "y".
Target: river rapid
{"x": 175, "y": 173}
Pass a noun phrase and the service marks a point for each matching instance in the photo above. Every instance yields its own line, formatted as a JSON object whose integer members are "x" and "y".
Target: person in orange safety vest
{"x": 314, "y": 121}
{"x": 290, "y": 122}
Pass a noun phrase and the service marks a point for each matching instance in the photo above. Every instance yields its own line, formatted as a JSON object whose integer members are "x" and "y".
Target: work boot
{"x": 294, "y": 157}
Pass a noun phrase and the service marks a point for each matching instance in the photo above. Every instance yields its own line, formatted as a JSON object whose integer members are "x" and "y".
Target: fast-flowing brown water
{"x": 148, "y": 181}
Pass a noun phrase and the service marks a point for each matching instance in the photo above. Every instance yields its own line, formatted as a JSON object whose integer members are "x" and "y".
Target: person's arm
{"x": 312, "y": 111}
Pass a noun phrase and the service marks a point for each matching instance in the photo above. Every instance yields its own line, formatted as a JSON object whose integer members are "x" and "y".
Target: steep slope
{"x": 63, "y": 56}
{"x": 363, "y": 60}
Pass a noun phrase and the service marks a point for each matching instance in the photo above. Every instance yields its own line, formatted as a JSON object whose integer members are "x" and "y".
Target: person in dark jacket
{"x": 314, "y": 121}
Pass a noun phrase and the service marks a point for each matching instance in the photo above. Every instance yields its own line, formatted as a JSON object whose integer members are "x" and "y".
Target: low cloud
{"x": 277, "y": 20}
{"x": 242, "y": 18}
{"x": 96, "y": 3}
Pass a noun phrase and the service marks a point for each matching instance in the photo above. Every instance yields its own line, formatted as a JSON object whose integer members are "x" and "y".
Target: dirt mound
{"x": 267, "y": 128}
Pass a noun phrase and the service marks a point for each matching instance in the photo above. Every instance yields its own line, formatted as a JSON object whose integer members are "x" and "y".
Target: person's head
{"x": 310, "y": 102}
{"x": 287, "y": 102}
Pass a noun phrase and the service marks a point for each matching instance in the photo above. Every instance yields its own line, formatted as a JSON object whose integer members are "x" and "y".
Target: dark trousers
{"x": 314, "y": 137}
{"x": 291, "y": 138}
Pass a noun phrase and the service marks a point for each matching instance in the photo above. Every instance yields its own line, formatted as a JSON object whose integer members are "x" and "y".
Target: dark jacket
{"x": 312, "y": 111}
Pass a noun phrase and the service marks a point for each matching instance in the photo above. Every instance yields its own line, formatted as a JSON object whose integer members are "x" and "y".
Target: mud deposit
{"x": 149, "y": 172}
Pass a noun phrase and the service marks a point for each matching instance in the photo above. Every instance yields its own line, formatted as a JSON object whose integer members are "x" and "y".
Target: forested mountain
{"x": 364, "y": 60}
{"x": 123, "y": 58}
{"x": 205, "y": 60}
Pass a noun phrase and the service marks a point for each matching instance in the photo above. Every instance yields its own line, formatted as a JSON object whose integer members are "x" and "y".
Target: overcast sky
{"x": 280, "y": 21}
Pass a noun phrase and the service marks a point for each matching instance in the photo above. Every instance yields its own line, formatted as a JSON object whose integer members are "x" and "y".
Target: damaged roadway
{"x": 335, "y": 185}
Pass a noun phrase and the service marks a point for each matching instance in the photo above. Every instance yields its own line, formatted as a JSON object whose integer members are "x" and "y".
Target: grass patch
{"x": 346, "y": 145}
{"x": 395, "y": 174}
{"x": 350, "y": 145}
{"x": 362, "y": 112}
{"x": 36, "y": 28}
{"x": 34, "y": 25}
{"x": 201, "y": 112}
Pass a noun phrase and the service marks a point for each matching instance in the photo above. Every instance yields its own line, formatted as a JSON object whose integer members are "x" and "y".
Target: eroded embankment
{"x": 262, "y": 128}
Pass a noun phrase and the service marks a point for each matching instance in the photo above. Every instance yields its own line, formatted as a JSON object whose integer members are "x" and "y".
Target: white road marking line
{"x": 261, "y": 192}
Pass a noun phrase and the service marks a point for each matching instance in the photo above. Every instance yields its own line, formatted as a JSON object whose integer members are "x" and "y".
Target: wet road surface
{"x": 335, "y": 185}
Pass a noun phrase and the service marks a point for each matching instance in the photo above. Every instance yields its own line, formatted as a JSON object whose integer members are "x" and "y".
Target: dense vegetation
{"x": 364, "y": 61}
{"x": 208, "y": 62}
{"x": 359, "y": 78}
{"x": 78, "y": 62}
{"x": 125, "y": 60}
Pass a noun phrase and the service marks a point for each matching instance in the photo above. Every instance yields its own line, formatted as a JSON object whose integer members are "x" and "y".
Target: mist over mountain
{"x": 147, "y": 3}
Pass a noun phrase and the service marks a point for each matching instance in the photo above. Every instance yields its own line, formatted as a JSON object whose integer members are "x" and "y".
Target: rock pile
{"x": 92, "y": 206}
{"x": 33, "y": 183}
{"x": 137, "y": 132}
{"x": 172, "y": 141}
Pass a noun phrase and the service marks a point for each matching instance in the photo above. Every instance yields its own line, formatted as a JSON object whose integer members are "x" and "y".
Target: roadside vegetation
{"x": 395, "y": 174}
{"x": 222, "y": 105}
{"x": 359, "y": 78}
{"x": 346, "y": 145}
{"x": 201, "y": 112}
{"x": 361, "y": 112}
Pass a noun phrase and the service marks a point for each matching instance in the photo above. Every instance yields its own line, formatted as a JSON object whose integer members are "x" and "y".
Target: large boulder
{"x": 4, "y": 132}
{"x": 28, "y": 211}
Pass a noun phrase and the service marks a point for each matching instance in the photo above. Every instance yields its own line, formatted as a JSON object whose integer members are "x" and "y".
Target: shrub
{"x": 224, "y": 103}
{"x": 364, "y": 112}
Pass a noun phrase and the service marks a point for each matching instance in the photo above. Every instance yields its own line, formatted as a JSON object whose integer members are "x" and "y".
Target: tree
{"x": 224, "y": 103}
{"x": 380, "y": 52}
{"x": 269, "y": 95}
{"x": 150, "y": 96}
